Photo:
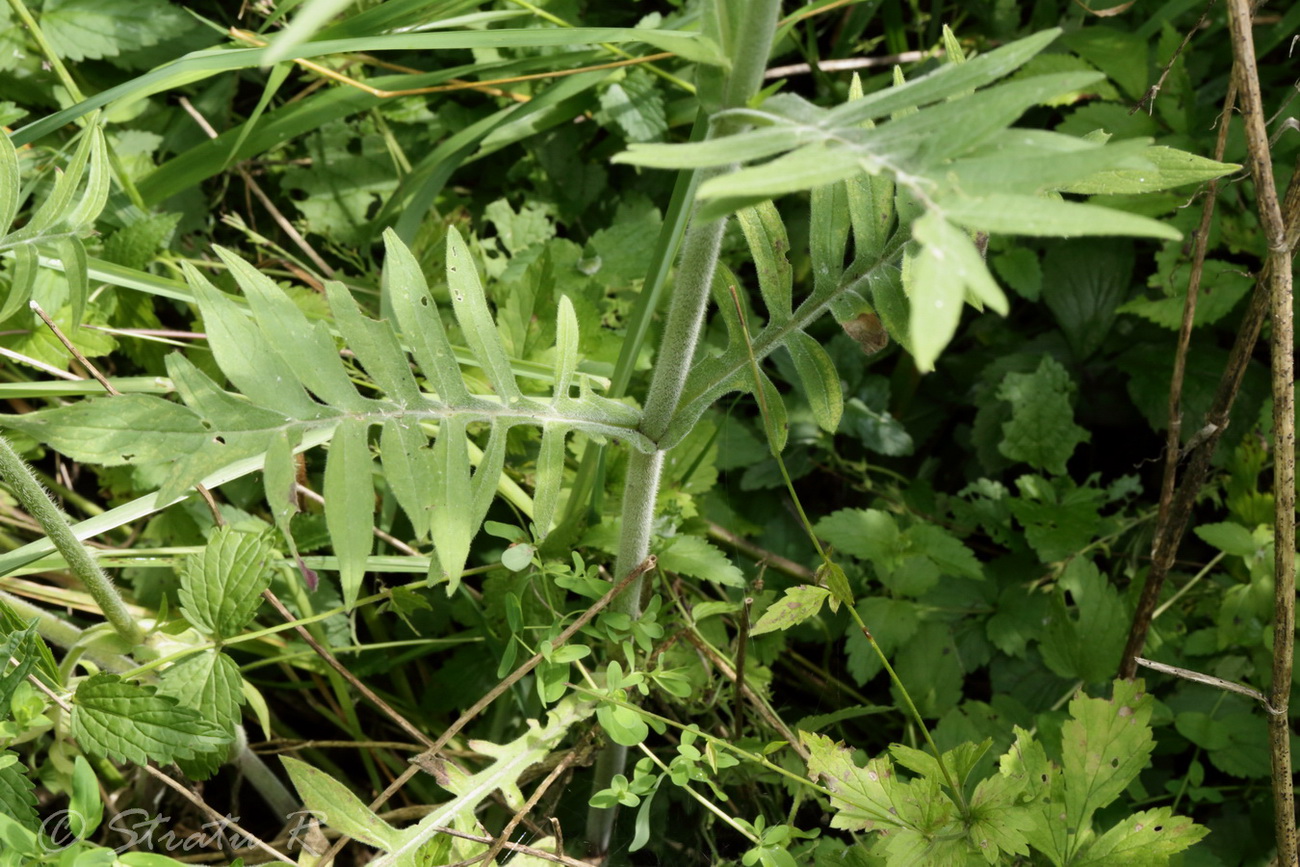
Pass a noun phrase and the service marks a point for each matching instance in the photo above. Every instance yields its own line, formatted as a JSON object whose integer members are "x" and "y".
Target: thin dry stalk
{"x": 1278, "y": 287}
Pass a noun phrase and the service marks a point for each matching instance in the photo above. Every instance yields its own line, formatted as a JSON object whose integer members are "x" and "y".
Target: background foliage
{"x": 986, "y": 480}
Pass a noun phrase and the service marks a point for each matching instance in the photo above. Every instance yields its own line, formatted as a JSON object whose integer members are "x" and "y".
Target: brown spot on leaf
{"x": 867, "y": 332}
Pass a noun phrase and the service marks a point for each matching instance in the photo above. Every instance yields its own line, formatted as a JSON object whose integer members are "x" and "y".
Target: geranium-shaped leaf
{"x": 129, "y": 722}
{"x": 1042, "y": 431}
{"x": 207, "y": 682}
{"x": 221, "y": 587}
{"x": 872, "y": 797}
{"x": 797, "y": 605}
{"x": 1148, "y": 837}
{"x": 1104, "y": 747}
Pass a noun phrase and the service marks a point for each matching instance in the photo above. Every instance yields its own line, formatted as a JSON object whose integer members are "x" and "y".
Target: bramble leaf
{"x": 797, "y": 605}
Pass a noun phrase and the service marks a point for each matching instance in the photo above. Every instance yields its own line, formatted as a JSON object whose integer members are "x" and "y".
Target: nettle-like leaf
{"x": 944, "y": 140}
{"x": 56, "y": 224}
{"x": 1041, "y": 431}
{"x": 221, "y": 586}
{"x": 293, "y": 387}
{"x": 17, "y": 792}
{"x": 129, "y": 722}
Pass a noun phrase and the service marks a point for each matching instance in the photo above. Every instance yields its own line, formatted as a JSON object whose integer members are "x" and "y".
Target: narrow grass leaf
{"x": 349, "y": 503}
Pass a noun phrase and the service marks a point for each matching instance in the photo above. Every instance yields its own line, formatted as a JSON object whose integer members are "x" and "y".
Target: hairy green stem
{"x": 40, "y": 506}
{"x": 61, "y": 633}
{"x": 745, "y": 29}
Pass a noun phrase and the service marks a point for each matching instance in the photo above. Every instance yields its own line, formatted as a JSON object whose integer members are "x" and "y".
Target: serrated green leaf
{"x": 221, "y": 586}
{"x": 820, "y": 379}
{"x": 892, "y": 622}
{"x": 80, "y": 29}
{"x": 871, "y": 798}
{"x": 636, "y": 105}
{"x": 1223, "y": 285}
{"x": 341, "y": 809}
{"x": 127, "y": 722}
{"x": 868, "y": 534}
{"x": 1104, "y": 746}
{"x": 798, "y": 604}
{"x": 1042, "y": 431}
{"x": 1169, "y": 168}
{"x": 349, "y": 504}
{"x": 1229, "y": 538}
{"x": 1046, "y": 217}
{"x": 209, "y": 683}
{"x": 1083, "y": 283}
{"x": 1149, "y": 837}
{"x": 691, "y": 555}
{"x": 17, "y": 794}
